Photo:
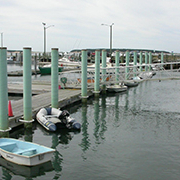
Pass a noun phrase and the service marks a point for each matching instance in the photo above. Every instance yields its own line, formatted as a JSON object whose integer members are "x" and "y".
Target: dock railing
{"x": 160, "y": 71}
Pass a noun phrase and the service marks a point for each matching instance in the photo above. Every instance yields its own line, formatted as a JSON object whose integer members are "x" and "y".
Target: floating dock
{"x": 41, "y": 98}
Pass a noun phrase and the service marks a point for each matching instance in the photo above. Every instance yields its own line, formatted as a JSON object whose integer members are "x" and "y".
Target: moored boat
{"x": 116, "y": 88}
{"x": 24, "y": 153}
{"x": 46, "y": 69}
{"x": 52, "y": 119}
{"x": 131, "y": 83}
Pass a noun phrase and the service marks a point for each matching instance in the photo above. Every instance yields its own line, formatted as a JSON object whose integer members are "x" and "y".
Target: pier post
{"x": 127, "y": 64}
{"x": 150, "y": 60}
{"x": 162, "y": 57}
{"x": 27, "y": 86}
{"x": 104, "y": 55}
{"x": 146, "y": 61}
{"x": 97, "y": 73}
{"x": 84, "y": 76}
{"x": 35, "y": 64}
{"x": 4, "y": 123}
{"x": 141, "y": 61}
{"x": 117, "y": 67}
{"x": 54, "y": 77}
{"x": 135, "y": 64}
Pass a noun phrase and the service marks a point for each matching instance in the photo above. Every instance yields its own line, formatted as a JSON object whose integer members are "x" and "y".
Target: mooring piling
{"x": 104, "y": 55}
{"x": 135, "y": 63}
{"x": 27, "y": 85}
{"x": 162, "y": 57}
{"x": 150, "y": 60}
{"x": 141, "y": 61}
{"x": 127, "y": 64}
{"x": 54, "y": 77}
{"x": 4, "y": 123}
{"x": 97, "y": 73}
{"x": 146, "y": 61}
{"x": 84, "y": 75}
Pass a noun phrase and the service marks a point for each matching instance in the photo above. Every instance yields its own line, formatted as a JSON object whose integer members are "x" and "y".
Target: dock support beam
{"x": 27, "y": 87}
{"x": 104, "y": 55}
{"x": 4, "y": 123}
{"x": 117, "y": 67}
{"x": 54, "y": 77}
{"x": 97, "y": 73}
{"x": 127, "y": 64}
{"x": 84, "y": 76}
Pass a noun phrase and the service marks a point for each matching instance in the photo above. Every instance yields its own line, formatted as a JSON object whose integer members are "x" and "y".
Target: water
{"x": 134, "y": 135}
{"x": 125, "y": 136}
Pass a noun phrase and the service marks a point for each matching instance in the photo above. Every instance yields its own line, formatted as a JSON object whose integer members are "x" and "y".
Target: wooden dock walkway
{"x": 41, "y": 99}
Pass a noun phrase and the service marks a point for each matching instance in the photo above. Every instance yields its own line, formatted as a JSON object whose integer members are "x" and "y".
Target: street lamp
{"x": 45, "y": 27}
{"x": 110, "y": 35}
{"x": 1, "y": 39}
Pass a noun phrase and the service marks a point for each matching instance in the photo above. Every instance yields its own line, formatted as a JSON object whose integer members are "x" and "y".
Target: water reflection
{"x": 10, "y": 168}
{"x": 85, "y": 142}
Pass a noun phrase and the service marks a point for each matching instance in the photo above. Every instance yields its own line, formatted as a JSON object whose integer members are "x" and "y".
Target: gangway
{"x": 118, "y": 74}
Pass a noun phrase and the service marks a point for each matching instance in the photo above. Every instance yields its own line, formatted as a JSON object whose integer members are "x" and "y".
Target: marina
{"x": 122, "y": 134}
{"x": 129, "y": 135}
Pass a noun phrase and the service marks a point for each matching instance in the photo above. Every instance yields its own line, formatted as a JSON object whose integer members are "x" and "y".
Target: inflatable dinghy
{"x": 53, "y": 119}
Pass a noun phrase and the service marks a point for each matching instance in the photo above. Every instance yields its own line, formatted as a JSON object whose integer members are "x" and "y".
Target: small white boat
{"x": 131, "y": 83}
{"x": 24, "y": 153}
{"x": 116, "y": 88}
{"x": 66, "y": 62}
{"x": 10, "y": 60}
{"x": 52, "y": 119}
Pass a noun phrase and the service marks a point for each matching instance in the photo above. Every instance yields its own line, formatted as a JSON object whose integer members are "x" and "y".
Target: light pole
{"x": 44, "y": 24}
{"x": 1, "y": 39}
{"x": 110, "y": 35}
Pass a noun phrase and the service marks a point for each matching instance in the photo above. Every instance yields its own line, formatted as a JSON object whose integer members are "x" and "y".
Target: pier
{"x": 46, "y": 94}
{"x": 41, "y": 98}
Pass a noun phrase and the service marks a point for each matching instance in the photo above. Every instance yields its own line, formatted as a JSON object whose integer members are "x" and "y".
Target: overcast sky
{"x": 147, "y": 24}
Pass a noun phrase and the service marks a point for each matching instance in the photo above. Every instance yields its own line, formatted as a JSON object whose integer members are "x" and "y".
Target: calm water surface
{"x": 127, "y": 136}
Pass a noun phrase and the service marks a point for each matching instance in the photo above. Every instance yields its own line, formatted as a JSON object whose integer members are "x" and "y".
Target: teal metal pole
{"x": 162, "y": 57}
{"x": 141, "y": 61}
{"x": 27, "y": 85}
{"x": 104, "y": 55}
{"x": 146, "y": 61}
{"x": 4, "y": 123}
{"x": 117, "y": 67}
{"x": 54, "y": 77}
{"x": 150, "y": 60}
{"x": 135, "y": 63}
{"x": 127, "y": 64}
{"x": 97, "y": 72}
{"x": 84, "y": 74}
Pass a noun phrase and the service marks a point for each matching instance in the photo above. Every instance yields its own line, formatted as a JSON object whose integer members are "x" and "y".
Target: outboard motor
{"x": 72, "y": 124}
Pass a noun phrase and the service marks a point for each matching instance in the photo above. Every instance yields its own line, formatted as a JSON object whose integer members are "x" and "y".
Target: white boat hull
{"x": 24, "y": 153}
{"x": 116, "y": 88}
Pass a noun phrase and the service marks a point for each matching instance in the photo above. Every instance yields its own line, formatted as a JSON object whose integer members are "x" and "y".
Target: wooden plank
{"x": 65, "y": 97}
